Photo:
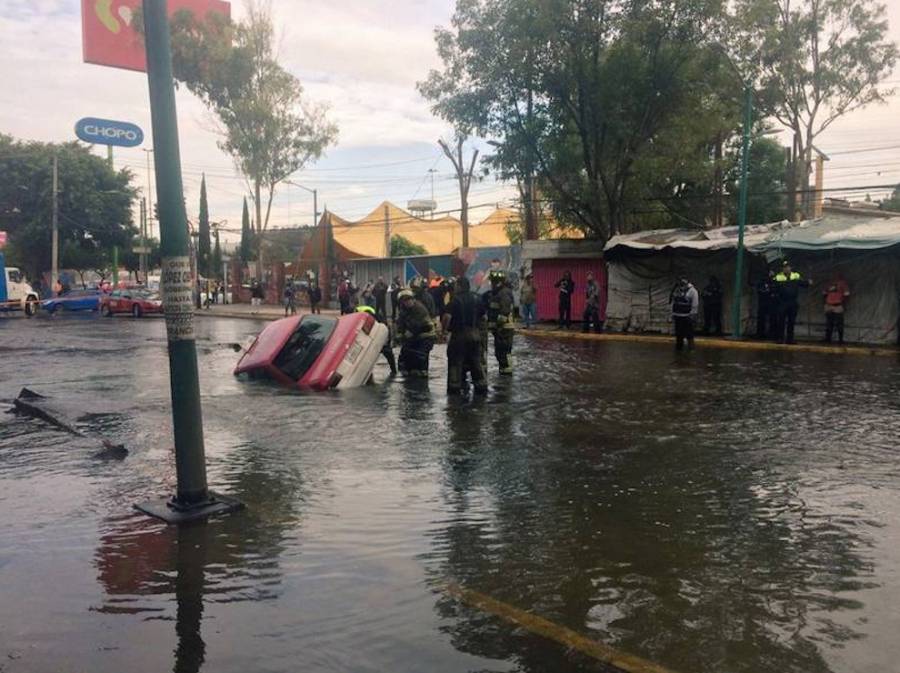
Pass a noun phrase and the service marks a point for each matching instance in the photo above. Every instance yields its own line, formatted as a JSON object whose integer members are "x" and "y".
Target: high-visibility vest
{"x": 781, "y": 278}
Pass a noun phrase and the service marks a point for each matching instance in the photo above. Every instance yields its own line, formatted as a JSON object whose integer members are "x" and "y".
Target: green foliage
{"x": 893, "y": 203}
{"x": 403, "y": 247}
{"x": 765, "y": 178}
{"x": 203, "y": 244}
{"x": 267, "y": 126}
{"x": 216, "y": 258}
{"x": 83, "y": 256}
{"x": 813, "y": 61}
{"x": 247, "y": 247}
{"x": 95, "y": 203}
{"x": 586, "y": 95}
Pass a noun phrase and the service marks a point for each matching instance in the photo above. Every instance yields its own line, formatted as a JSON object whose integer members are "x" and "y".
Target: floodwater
{"x": 719, "y": 511}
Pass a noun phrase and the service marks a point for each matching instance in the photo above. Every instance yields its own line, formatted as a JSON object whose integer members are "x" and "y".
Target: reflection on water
{"x": 713, "y": 512}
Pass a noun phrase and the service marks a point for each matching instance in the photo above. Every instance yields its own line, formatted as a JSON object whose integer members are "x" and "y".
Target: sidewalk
{"x": 549, "y": 330}
{"x": 248, "y": 312}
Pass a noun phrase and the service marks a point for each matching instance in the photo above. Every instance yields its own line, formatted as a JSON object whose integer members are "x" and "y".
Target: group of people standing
{"x": 292, "y": 292}
{"x": 778, "y": 301}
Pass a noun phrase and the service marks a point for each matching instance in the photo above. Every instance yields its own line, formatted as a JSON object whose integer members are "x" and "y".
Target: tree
{"x": 83, "y": 256}
{"x": 95, "y": 202}
{"x": 578, "y": 95}
{"x": 812, "y": 62}
{"x": 893, "y": 203}
{"x": 246, "y": 250}
{"x": 267, "y": 126}
{"x": 403, "y": 247}
{"x": 203, "y": 244}
{"x": 216, "y": 257}
{"x": 463, "y": 178}
{"x": 765, "y": 182}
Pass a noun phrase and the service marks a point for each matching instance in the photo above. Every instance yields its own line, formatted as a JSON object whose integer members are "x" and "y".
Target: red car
{"x": 316, "y": 352}
{"x": 137, "y": 302}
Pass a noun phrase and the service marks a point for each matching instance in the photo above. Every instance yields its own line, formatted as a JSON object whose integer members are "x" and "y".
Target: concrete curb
{"x": 707, "y": 342}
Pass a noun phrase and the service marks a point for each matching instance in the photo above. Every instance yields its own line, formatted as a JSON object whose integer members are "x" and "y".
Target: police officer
{"x": 463, "y": 318}
{"x": 388, "y": 350}
{"x": 415, "y": 330}
{"x": 499, "y": 309}
{"x": 788, "y": 283}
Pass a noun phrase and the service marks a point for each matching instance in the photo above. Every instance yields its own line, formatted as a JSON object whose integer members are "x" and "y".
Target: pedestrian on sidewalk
{"x": 566, "y": 288}
{"x": 685, "y": 304}
{"x": 380, "y": 291}
{"x": 591, "y": 314}
{"x": 344, "y": 296}
{"x": 396, "y": 286}
{"x": 766, "y": 306}
{"x": 712, "y": 307}
{"x": 289, "y": 299}
{"x": 315, "y": 298}
{"x": 835, "y": 296}
{"x": 528, "y": 301}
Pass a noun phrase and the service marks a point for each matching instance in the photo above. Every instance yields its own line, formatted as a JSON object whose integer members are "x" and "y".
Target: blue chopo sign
{"x": 108, "y": 132}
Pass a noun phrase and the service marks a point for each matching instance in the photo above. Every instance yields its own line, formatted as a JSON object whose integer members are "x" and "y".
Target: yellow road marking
{"x": 716, "y": 343}
{"x": 555, "y": 632}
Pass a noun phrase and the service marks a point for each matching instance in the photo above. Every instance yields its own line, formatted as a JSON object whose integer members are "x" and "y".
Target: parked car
{"x": 74, "y": 300}
{"x": 136, "y": 301}
{"x": 316, "y": 352}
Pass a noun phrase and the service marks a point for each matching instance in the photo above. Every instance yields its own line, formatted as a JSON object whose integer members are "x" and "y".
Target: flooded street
{"x": 717, "y": 511}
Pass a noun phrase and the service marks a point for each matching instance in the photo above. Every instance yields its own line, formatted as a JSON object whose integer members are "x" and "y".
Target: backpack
{"x": 681, "y": 302}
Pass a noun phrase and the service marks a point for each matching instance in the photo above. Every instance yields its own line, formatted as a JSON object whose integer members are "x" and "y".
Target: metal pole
{"x": 315, "y": 207}
{"x": 149, "y": 193}
{"x": 742, "y": 215}
{"x": 54, "y": 264}
{"x": 187, "y": 419}
{"x": 387, "y": 231}
{"x": 143, "y": 256}
{"x": 115, "y": 266}
{"x": 109, "y": 156}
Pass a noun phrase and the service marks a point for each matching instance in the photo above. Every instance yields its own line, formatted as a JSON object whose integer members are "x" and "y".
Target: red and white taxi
{"x": 316, "y": 352}
{"x": 136, "y": 301}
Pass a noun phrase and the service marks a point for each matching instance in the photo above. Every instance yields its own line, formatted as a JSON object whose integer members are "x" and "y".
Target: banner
{"x": 108, "y": 35}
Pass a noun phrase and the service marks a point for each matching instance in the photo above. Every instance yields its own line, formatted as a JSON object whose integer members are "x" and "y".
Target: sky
{"x": 363, "y": 58}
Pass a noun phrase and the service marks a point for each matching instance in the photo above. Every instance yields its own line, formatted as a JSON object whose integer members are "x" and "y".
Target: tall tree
{"x": 95, "y": 204}
{"x": 814, "y": 61}
{"x": 576, "y": 92}
{"x": 204, "y": 243}
{"x": 893, "y": 203}
{"x": 246, "y": 235}
{"x": 463, "y": 178}
{"x": 267, "y": 126}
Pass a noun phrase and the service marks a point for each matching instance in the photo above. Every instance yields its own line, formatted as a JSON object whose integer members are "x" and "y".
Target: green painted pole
{"x": 109, "y": 157}
{"x": 742, "y": 216}
{"x": 115, "y": 266}
{"x": 190, "y": 459}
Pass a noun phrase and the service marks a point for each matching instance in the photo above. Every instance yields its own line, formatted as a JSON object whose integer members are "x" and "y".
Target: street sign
{"x": 108, "y": 132}
{"x": 108, "y": 35}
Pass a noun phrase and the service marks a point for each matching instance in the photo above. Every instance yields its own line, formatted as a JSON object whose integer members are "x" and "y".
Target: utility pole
{"x": 54, "y": 268}
{"x": 143, "y": 255}
{"x": 432, "y": 171}
{"x": 149, "y": 192}
{"x": 387, "y": 231}
{"x": 742, "y": 215}
{"x": 109, "y": 156}
{"x": 193, "y": 499}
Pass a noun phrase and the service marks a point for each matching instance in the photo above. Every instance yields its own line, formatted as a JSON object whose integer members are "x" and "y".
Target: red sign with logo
{"x": 109, "y": 37}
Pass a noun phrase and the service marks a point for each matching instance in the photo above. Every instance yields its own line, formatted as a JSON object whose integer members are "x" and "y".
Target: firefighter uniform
{"x": 415, "y": 331}
{"x": 466, "y": 314}
{"x": 499, "y": 309}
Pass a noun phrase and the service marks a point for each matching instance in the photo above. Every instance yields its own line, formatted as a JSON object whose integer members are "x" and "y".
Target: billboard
{"x": 108, "y": 132}
{"x": 108, "y": 35}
